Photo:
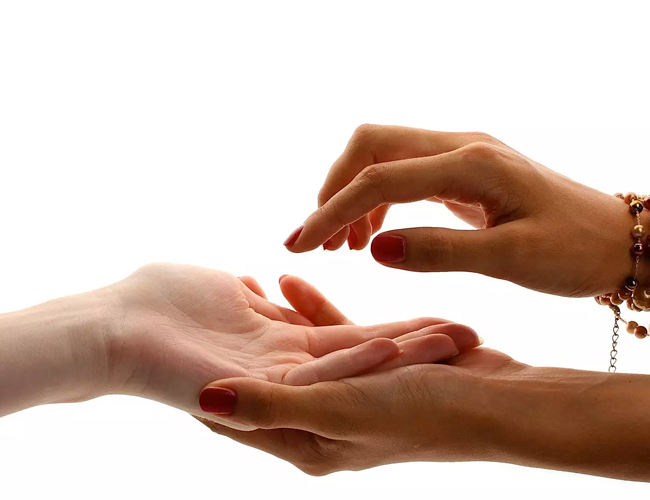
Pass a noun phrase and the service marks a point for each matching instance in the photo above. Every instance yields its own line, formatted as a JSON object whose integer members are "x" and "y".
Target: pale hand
{"x": 181, "y": 327}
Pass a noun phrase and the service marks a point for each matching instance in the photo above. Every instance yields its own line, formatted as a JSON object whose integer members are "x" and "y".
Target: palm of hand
{"x": 184, "y": 327}
{"x": 207, "y": 325}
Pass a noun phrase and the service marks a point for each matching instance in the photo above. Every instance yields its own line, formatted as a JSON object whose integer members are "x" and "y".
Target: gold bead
{"x": 631, "y": 326}
{"x": 629, "y": 198}
{"x": 638, "y": 231}
{"x": 642, "y": 298}
{"x": 615, "y": 299}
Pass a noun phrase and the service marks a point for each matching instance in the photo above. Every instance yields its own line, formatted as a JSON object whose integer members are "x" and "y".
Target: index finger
{"x": 452, "y": 175}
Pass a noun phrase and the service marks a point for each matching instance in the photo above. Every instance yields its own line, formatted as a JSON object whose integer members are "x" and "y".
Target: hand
{"x": 536, "y": 227}
{"x": 181, "y": 327}
{"x": 482, "y": 405}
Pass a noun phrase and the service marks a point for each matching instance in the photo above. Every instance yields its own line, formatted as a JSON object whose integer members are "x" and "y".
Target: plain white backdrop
{"x": 200, "y": 133}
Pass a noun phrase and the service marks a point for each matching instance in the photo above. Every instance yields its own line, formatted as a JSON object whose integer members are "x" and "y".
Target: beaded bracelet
{"x": 636, "y": 297}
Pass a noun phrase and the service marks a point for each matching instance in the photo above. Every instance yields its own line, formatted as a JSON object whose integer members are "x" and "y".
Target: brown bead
{"x": 631, "y": 326}
{"x": 605, "y": 300}
{"x": 646, "y": 203}
{"x": 631, "y": 283}
{"x": 641, "y": 332}
{"x": 630, "y": 305}
{"x": 624, "y": 293}
{"x": 616, "y": 300}
{"x": 638, "y": 249}
{"x": 636, "y": 207}
{"x": 629, "y": 198}
{"x": 642, "y": 298}
{"x": 638, "y": 231}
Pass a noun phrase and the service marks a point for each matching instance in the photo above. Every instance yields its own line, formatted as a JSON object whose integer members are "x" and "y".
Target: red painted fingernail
{"x": 293, "y": 237}
{"x": 282, "y": 277}
{"x": 388, "y": 248}
{"x": 217, "y": 400}
{"x": 352, "y": 239}
{"x": 327, "y": 245}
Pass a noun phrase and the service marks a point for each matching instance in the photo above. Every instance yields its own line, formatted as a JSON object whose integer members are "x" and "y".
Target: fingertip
{"x": 290, "y": 242}
{"x": 218, "y": 400}
{"x": 385, "y": 345}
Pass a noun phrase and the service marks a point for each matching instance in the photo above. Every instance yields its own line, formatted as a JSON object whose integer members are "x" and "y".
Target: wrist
{"x": 55, "y": 352}
{"x": 574, "y": 421}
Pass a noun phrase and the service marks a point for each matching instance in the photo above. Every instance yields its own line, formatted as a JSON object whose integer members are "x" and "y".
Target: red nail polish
{"x": 327, "y": 245}
{"x": 293, "y": 237}
{"x": 218, "y": 400}
{"x": 388, "y": 248}
{"x": 352, "y": 239}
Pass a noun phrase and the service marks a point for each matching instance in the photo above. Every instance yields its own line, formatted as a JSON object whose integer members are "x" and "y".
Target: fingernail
{"x": 327, "y": 245}
{"x": 217, "y": 400}
{"x": 352, "y": 239}
{"x": 480, "y": 340}
{"x": 282, "y": 277}
{"x": 293, "y": 237}
{"x": 388, "y": 248}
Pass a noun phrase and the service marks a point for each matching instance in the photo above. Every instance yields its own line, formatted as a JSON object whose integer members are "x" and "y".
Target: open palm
{"x": 185, "y": 326}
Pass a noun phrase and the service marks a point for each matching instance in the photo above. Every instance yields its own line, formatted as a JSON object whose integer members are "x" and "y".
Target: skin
{"x": 533, "y": 227}
{"x": 533, "y": 224}
{"x": 167, "y": 330}
{"x": 480, "y": 405}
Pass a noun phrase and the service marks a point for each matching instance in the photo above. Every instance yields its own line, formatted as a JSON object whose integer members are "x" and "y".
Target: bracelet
{"x": 636, "y": 296}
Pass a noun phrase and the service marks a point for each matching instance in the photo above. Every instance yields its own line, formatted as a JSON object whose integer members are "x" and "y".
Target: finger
{"x": 259, "y": 404}
{"x": 460, "y": 175}
{"x": 272, "y": 311}
{"x": 377, "y": 217}
{"x": 371, "y": 144}
{"x": 337, "y": 241}
{"x": 310, "y": 303}
{"x": 360, "y": 232}
{"x": 325, "y": 339}
{"x": 486, "y": 251}
{"x": 463, "y": 336}
{"x": 344, "y": 363}
{"x": 426, "y": 349}
{"x": 253, "y": 285}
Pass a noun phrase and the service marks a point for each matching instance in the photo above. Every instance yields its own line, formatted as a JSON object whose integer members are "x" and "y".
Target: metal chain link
{"x": 613, "y": 352}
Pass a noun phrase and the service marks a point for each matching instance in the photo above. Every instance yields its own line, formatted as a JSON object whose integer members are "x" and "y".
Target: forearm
{"x": 576, "y": 421}
{"x": 53, "y": 353}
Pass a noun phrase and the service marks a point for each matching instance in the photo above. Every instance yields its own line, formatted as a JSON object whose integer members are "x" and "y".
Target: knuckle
{"x": 321, "y": 456}
{"x": 264, "y": 413}
{"x": 482, "y": 137}
{"x": 437, "y": 249}
{"x": 334, "y": 212}
{"x": 479, "y": 152}
{"x": 364, "y": 132}
{"x": 362, "y": 138}
{"x": 373, "y": 176}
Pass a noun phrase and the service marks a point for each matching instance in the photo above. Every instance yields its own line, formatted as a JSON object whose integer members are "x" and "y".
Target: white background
{"x": 200, "y": 132}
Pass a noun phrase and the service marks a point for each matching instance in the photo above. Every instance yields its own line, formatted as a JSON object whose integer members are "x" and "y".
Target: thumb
{"x": 486, "y": 251}
{"x": 258, "y": 404}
